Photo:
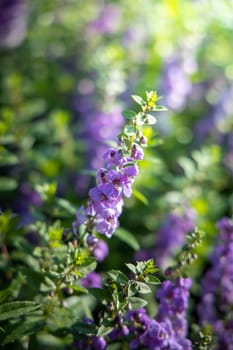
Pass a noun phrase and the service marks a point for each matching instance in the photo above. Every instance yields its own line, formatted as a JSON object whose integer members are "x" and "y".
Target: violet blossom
{"x": 169, "y": 328}
{"x": 91, "y": 280}
{"x": 12, "y": 22}
{"x": 217, "y": 288}
{"x": 106, "y": 199}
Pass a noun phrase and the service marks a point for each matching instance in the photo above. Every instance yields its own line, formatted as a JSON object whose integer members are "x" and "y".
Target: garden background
{"x": 68, "y": 69}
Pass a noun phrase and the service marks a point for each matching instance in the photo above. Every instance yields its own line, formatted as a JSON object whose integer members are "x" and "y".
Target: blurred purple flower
{"x": 171, "y": 236}
{"x": 217, "y": 287}
{"x": 96, "y": 128}
{"x": 100, "y": 251}
{"x": 215, "y": 124}
{"x": 107, "y": 21}
{"x": 27, "y": 198}
{"x": 176, "y": 84}
{"x": 12, "y": 22}
{"x": 91, "y": 280}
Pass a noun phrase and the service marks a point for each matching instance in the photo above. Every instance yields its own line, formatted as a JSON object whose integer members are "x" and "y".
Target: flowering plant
{"x": 57, "y": 278}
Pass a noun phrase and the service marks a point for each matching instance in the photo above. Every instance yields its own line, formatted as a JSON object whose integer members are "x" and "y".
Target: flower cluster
{"x": 173, "y": 298}
{"x": 217, "y": 287}
{"x": 105, "y": 200}
{"x": 148, "y": 332}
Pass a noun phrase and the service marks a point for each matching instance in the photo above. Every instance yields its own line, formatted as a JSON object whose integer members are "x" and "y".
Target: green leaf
{"x": 138, "y": 99}
{"x": 127, "y": 237}
{"x": 16, "y": 331}
{"x": 142, "y": 288}
{"x": 129, "y": 114}
{"x": 160, "y": 108}
{"x": 152, "y": 280}
{"x": 8, "y": 159}
{"x": 132, "y": 268}
{"x": 84, "y": 328}
{"x": 118, "y": 276}
{"x": 104, "y": 330}
{"x": 100, "y": 294}
{"x": 78, "y": 289}
{"x": 131, "y": 290}
{"x": 66, "y": 205}
{"x": 88, "y": 265}
{"x": 16, "y": 309}
{"x": 5, "y": 295}
{"x": 7, "y": 184}
{"x": 140, "y": 197}
{"x": 137, "y": 303}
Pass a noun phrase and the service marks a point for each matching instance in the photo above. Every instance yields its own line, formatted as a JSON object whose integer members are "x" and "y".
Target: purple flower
{"x": 171, "y": 236}
{"x": 107, "y": 22}
{"x": 107, "y": 222}
{"x": 173, "y": 304}
{"x": 176, "y": 83}
{"x": 157, "y": 335}
{"x": 119, "y": 331}
{"x": 217, "y": 287}
{"x": 92, "y": 280}
{"x": 137, "y": 152}
{"x": 100, "y": 251}
{"x": 106, "y": 199}
{"x": 12, "y": 22}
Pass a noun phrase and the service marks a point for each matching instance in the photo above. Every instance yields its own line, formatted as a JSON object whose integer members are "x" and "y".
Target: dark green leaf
{"x": 5, "y": 295}
{"x": 118, "y": 276}
{"x": 152, "y": 280}
{"x": 131, "y": 267}
{"x": 128, "y": 114}
{"x": 104, "y": 330}
{"x": 15, "y": 309}
{"x": 16, "y": 331}
{"x": 100, "y": 294}
{"x": 84, "y": 328}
